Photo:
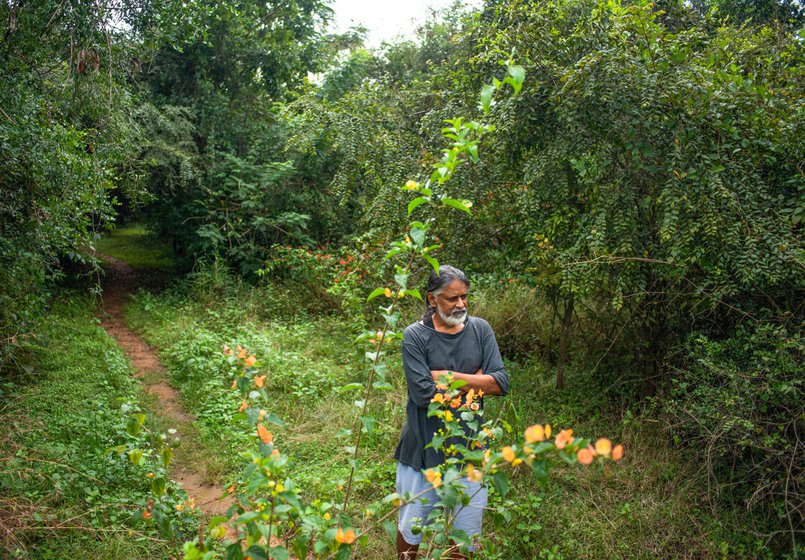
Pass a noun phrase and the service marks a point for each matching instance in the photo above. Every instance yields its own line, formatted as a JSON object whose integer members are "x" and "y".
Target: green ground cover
{"x": 64, "y": 491}
{"x": 143, "y": 251}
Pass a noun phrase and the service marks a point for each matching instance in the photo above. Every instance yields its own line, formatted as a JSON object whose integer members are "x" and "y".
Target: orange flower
{"x": 585, "y": 456}
{"x": 234, "y": 384}
{"x": 434, "y": 477}
{"x": 455, "y": 403}
{"x": 603, "y": 447}
{"x": 473, "y": 474}
{"x": 250, "y": 361}
{"x": 534, "y": 433}
{"x": 617, "y": 452}
{"x": 264, "y": 434}
{"x": 508, "y": 453}
{"x": 474, "y": 406}
{"x": 564, "y": 437}
{"x": 231, "y": 489}
{"x": 347, "y": 537}
{"x": 470, "y": 395}
{"x": 259, "y": 380}
{"x": 441, "y": 387}
{"x": 241, "y": 352}
{"x": 227, "y": 350}
{"x": 243, "y": 406}
{"x": 146, "y": 515}
{"x": 387, "y": 292}
{"x": 547, "y": 431}
{"x": 438, "y": 397}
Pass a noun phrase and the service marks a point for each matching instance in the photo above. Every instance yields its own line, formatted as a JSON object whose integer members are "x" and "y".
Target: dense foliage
{"x": 642, "y": 198}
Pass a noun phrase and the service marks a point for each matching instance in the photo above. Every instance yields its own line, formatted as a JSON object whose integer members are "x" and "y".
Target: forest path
{"x": 121, "y": 280}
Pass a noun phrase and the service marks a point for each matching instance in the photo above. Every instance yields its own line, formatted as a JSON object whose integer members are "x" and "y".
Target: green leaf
{"x": 350, "y": 387}
{"x": 418, "y": 235}
{"x": 433, "y": 262}
{"x": 136, "y": 456}
{"x": 158, "y": 486}
{"x": 167, "y": 456}
{"x": 135, "y": 424}
{"x": 377, "y": 291}
{"x": 279, "y": 553}
{"x": 516, "y": 77}
{"x": 414, "y": 204}
{"x": 414, "y": 293}
{"x": 368, "y": 424}
{"x": 486, "y": 97}
{"x": 463, "y": 205}
{"x": 501, "y": 483}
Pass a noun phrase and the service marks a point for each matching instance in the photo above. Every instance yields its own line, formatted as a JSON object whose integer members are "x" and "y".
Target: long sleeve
{"x": 493, "y": 362}
{"x": 421, "y": 386}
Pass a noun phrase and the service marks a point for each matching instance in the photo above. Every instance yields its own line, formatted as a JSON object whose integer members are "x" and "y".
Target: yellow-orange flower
{"x": 234, "y": 384}
{"x": 617, "y": 452}
{"x": 473, "y": 474}
{"x": 534, "y": 433}
{"x": 259, "y": 380}
{"x": 547, "y": 431}
{"x": 264, "y": 434}
{"x": 508, "y": 454}
{"x": 470, "y": 395}
{"x": 448, "y": 416}
{"x": 603, "y": 447}
{"x": 455, "y": 403}
{"x": 387, "y": 292}
{"x": 250, "y": 361}
{"x": 438, "y": 397}
{"x": 262, "y": 414}
{"x": 565, "y": 437}
{"x": 434, "y": 477}
{"x": 347, "y": 537}
{"x": 585, "y": 456}
{"x": 411, "y": 185}
{"x": 243, "y": 406}
{"x": 441, "y": 387}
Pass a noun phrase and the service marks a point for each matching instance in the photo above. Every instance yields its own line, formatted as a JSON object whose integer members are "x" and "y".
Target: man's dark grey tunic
{"x": 425, "y": 349}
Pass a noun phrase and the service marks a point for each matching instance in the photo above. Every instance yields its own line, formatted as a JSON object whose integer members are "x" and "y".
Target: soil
{"x": 119, "y": 281}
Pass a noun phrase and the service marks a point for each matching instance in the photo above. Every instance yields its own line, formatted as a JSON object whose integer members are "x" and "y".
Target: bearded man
{"x": 447, "y": 339}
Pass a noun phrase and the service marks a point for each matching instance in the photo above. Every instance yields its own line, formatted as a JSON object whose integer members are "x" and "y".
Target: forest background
{"x": 635, "y": 239}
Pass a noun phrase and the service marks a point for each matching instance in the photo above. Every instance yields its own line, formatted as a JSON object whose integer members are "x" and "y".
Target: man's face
{"x": 451, "y": 303}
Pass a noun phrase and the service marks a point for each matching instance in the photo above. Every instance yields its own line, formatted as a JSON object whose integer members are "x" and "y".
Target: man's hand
{"x": 478, "y": 381}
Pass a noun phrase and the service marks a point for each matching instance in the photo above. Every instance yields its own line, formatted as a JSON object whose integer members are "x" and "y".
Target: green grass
{"x": 71, "y": 497}
{"x": 139, "y": 248}
{"x": 651, "y": 505}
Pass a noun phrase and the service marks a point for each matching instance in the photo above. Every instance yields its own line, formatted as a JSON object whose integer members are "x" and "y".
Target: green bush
{"x": 740, "y": 401}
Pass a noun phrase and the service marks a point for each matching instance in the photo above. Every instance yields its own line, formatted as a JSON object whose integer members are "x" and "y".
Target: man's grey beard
{"x": 454, "y": 319}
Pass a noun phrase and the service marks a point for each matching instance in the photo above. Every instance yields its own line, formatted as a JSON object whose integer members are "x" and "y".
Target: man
{"x": 447, "y": 339}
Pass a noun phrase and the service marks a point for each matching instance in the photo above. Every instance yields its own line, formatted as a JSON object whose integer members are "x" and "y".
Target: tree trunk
{"x": 567, "y": 319}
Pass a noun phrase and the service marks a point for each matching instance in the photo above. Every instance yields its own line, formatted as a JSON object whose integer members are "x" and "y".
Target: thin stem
{"x": 368, "y": 392}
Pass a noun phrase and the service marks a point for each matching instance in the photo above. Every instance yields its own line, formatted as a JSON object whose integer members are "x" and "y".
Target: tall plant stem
{"x": 368, "y": 392}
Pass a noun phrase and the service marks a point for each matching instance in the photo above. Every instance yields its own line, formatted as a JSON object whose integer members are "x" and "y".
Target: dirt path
{"x": 121, "y": 280}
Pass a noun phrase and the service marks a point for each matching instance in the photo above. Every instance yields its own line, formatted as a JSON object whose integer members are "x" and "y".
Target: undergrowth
{"x": 651, "y": 506}
{"x": 64, "y": 491}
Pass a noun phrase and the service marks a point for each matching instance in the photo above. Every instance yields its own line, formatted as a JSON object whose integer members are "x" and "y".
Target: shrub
{"x": 740, "y": 401}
